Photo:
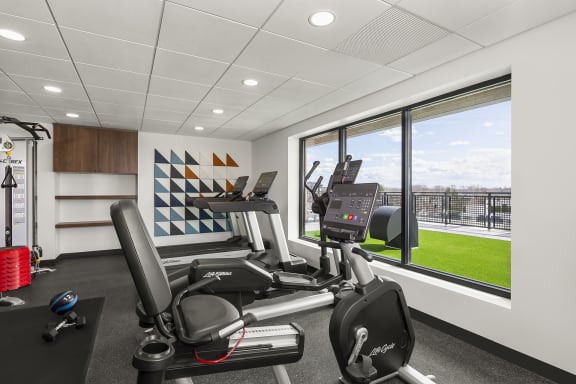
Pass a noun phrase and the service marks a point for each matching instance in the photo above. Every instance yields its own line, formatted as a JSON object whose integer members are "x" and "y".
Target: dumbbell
{"x": 71, "y": 319}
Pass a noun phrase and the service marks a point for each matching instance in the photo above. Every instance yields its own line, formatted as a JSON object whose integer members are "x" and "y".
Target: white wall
{"x": 539, "y": 319}
{"x": 241, "y": 151}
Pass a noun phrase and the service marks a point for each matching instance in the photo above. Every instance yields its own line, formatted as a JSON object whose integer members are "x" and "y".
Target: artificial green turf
{"x": 477, "y": 258}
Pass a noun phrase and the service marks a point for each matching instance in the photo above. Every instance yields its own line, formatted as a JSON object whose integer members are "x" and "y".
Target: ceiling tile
{"x": 31, "y": 9}
{"x": 190, "y": 131}
{"x": 9, "y": 109}
{"x": 269, "y": 108}
{"x": 461, "y": 12}
{"x": 205, "y": 109}
{"x": 116, "y": 96}
{"x": 234, "y": 76}
{"x": 131, "y": 125}
{"x": 242, "y": 124}
{"x": 291, "y": 19}
{"x": 207, "y": 122}
{"x": 185, "y": 30}
{"x": 395, "y": 33}
{"x": 7, "y": 84}
{"x": 59, "y": 114}
{"x": 89, "y": 48}
{"x": 515, "y": 18}
{"x": 300, "y": 91}
{"x": 108, "y": 111}
{"x": 33, "y": 85}
{"x": 439, "y": 52}
{"x": 41, "y": 38}
{"x": 375, "y": 81}
{"x": 42, "y": 119}
{"x": 276, "y": 54}
{"x": 178, "y": 66}
{"x": 14, "y": 97}
{"x": 132, "y": 20}
{"x": 231, "y": 98}
{"x": 120, "y": 121}
{"x": 72, "y": 105}
{"x": 113, "y": 78}
{"x": 159, "y": 126}
{"x": 177, "y": 89}
{"x": 18, "y": 63}
{"x": 170, "y": 103}
{"x": 251, "y": 12}
{"x": 159, "y": 114}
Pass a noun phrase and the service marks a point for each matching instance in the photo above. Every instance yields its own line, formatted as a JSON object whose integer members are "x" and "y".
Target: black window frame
{"x": 406, "y": 127}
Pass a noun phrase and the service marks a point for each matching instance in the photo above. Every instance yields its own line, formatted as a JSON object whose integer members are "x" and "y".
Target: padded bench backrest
{"x": 145, "y": 265}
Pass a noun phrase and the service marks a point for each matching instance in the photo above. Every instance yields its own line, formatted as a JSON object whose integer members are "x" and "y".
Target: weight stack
{"x": 14, "y": 268}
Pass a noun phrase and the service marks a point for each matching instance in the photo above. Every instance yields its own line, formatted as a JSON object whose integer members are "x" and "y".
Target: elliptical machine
{"x": 370, "y": 329}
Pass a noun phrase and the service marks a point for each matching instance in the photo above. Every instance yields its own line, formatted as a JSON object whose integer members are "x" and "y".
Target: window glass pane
{"x": 461, "y": 185}
{"x": 378, "y": 143}
{"x": 322, "y": 148}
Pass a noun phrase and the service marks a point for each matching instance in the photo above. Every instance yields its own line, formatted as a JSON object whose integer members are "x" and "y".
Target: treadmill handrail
{"x": 267, "y": 206}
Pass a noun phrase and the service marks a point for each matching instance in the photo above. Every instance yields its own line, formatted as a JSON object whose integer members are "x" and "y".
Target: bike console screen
{"x": 240, "y": 184}
{"x": 264, "y": 183}
{"x": 346, "y": 172}
{"x": 349, "y": 212}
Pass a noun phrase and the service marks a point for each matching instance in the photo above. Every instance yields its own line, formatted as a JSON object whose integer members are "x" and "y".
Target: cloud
{"x": 393, "y": 134}
{"x": 459, "y": 142}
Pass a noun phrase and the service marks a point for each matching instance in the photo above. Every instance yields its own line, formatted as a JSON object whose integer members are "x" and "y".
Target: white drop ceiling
{"x": 163, "y": 66}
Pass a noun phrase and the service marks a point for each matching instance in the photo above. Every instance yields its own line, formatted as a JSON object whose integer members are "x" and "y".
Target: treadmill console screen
{"x": 264, "y": 183}
{"x": 346, "y": 172}
{"x": 349, "y": 212}
{"x": 240, "y": 184}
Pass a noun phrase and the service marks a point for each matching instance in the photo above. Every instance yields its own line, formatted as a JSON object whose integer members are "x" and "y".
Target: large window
{"x": 323, "y": 148}
{"x": 447, "y": 162}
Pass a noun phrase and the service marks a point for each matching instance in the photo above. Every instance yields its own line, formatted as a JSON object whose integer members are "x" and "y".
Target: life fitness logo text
{"x": 217, "y": 274}
{"x": 381, "y": 350}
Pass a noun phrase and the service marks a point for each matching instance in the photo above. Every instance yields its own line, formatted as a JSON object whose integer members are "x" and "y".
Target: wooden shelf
{"x": 83, "y": 224}
{"x": 95, "y": 197}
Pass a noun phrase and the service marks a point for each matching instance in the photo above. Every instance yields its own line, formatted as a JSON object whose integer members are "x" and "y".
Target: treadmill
{"x": 279, "y": 257}
{"x": 175, "y": 256}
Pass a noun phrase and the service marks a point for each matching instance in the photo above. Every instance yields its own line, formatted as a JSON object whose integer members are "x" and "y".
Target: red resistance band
{"x": 226, "y": 356}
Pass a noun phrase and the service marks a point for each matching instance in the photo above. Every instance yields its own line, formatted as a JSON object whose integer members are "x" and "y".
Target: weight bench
{"x": 194, "y": 334}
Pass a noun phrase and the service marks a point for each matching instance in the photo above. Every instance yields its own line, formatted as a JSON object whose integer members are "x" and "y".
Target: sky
{"x": 469, "y": 148}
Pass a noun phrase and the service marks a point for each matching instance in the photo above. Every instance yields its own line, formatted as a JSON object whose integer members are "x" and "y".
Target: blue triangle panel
{"x": 159, "y": 173}
{"x": 158, "y": 231}
{"x": 190, "y": 230}
{"x": 174, "y": 202}
{"x": 204, "y": 215}
{"x": 158, "y": 202}
{"x": 159, "y": 188}
{"x": 218, "y": 228}
{"x": 175, "y": 159}
{"x": 204, "y": 228}
{"x": 159, "y": 159}
{"x": 158, "y": 217}
{"x": 175, "y": 216}
{"x": 190, "y": 188}
{"x": 219, "y": 215}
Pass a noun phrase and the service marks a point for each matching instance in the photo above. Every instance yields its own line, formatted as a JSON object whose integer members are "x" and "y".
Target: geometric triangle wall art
{"x": 183, "y": 174}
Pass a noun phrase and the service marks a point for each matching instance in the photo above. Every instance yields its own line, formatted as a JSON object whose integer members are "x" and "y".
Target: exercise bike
{"x": 370, "y": 329}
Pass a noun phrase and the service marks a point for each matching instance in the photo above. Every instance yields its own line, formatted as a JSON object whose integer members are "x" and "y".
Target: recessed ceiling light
{"x": 321, "y": 18}
{"x": 199, "y": 128}
{"x": 53, "y": 89}
{"x": 250, "y": 82}
{"x": 11, "y": 35}
{"x": 72, "y": 115}
{"x": 218, "y": 111}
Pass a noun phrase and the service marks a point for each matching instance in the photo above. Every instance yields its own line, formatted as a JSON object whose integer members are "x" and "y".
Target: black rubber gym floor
{"x": 451, "y": 360}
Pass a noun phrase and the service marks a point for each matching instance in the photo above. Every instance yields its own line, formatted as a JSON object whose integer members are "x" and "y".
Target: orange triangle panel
{"x": 229, "y": 186}
{"x": 216, "y": 161}
{"x": 230, "y": 161}
{"x": 189, "y": 174}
